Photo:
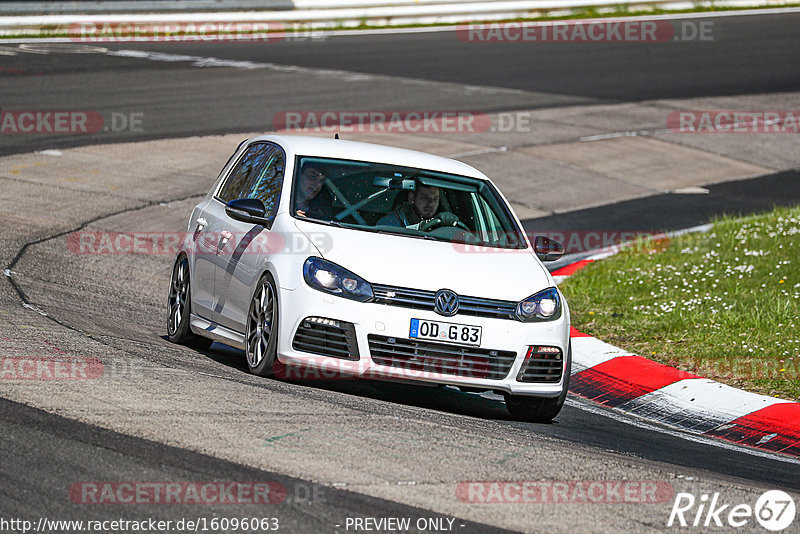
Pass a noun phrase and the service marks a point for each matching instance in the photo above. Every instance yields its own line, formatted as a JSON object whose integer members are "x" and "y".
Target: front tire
{"x": 538, "y": 409}
{"x": 179, "y": 308}
{"x": 261, "y": 334}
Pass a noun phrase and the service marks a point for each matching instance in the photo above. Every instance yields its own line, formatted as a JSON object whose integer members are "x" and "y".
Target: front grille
{"x": 440, "y": 358}
{"x": 420, "y": 299}
{"x": 327, "y": 337}
{"x": 542, "y": 365}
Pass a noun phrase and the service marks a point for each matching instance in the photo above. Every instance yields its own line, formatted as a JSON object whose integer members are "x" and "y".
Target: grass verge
{"x": 724, "y": 304}
{"x": 307, "y": 29}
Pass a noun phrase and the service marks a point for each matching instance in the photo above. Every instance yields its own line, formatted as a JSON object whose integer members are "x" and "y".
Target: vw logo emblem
{"x": 446, "y": 303}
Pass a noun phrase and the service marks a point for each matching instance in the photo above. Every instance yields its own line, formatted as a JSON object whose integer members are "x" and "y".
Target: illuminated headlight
{"x": 330, "y": 278}
{"x": 543, "y": 306}
{"x": 325, "y": 278}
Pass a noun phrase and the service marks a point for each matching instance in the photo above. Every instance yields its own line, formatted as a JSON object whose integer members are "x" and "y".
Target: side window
{"x": 479, "y": 216}
{"x": 249, "y": 166}
{"x": 266, "y": 185}
{"x": 492, "y": 224}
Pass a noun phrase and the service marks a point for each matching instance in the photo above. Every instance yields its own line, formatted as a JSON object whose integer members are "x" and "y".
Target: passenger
{"x": 308, "y": 200}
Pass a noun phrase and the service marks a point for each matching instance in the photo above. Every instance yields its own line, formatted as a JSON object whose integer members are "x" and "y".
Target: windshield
{"x": 419, "y": 203}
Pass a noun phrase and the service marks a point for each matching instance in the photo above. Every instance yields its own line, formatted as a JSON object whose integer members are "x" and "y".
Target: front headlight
{"x": 330, "y": 278}
{"x": 543, "y": 306}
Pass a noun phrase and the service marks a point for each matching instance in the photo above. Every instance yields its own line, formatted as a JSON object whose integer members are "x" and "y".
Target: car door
{"x": 203, "y": 258}
{"x": 204, "y": 234}
{"x": 243, "y": 245}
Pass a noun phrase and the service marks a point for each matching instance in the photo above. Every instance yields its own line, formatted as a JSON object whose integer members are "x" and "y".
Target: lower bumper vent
{"x": 542, "y": 364}
{"x": 327, "y": 337}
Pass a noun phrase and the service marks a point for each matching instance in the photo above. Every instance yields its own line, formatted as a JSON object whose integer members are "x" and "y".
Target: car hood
{"x": 431, "y": 265}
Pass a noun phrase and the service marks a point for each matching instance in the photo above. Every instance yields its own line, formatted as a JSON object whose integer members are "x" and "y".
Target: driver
{"x": 309, "y": 202}
{"x": 419, "y": 210}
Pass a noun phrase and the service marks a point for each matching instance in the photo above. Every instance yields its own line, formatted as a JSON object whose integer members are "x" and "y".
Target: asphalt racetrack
{"x": 341, "y": 449}
{"x": 748, "y": 55}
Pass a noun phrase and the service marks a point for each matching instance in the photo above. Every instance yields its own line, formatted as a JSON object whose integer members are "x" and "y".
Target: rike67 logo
{"x": 774, "y": 510}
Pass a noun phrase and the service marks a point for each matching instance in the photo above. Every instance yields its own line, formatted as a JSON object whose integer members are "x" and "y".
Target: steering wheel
{"x": 443, "y": 219}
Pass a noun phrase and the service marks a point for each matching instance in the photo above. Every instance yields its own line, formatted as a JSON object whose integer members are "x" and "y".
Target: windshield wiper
{"x": 388, "y": 232}
{"x": 367, "y": 228}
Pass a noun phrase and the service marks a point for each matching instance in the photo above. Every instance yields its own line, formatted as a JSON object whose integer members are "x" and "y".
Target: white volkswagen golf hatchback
{"x": 377, "y": 262}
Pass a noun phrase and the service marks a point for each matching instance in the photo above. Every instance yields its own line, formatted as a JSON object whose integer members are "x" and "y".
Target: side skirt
{"x": 205, "y": 328}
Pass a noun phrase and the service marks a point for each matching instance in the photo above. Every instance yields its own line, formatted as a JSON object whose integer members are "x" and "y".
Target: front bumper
{"x": 381, "y": 321}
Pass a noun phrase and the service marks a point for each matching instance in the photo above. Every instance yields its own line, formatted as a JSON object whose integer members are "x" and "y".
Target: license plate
{"x": 448, "y": 332}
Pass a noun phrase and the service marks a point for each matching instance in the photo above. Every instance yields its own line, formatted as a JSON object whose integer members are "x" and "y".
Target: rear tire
{"x": 179, "y": 308}
{"x": 538, "y": 409}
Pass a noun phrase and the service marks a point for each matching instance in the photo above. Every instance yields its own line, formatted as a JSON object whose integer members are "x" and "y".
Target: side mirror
{"x": 248, "y": 210}
{"x": 546, "y": 249}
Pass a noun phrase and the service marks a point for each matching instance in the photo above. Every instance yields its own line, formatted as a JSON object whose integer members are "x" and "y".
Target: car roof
{"x": 328, "y": 147}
